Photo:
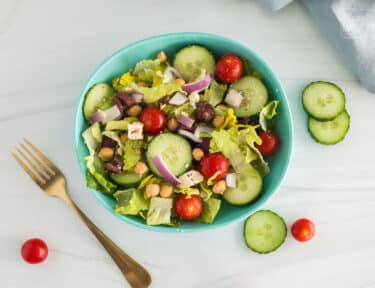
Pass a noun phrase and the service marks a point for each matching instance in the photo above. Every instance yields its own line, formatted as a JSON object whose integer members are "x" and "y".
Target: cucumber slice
{"x": 191, "y": 60}
{"x": 264, "y": 231}
{"x": 330, "y": 132}
{"x": 323, "y": 100}
{"x": 175, "y": 151}
{"x": 100, "y": 96}
{"x": 249, "y": 186}
{"x": 127, "y": 179}
{"x": 255, "y": 96}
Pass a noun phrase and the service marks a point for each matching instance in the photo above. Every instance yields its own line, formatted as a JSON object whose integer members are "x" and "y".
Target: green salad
{"x": 171, "y": 140}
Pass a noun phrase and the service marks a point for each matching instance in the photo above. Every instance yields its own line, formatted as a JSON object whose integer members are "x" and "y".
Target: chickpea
{"x": 219, "y": 187}
{"x": 140, "y": 168}
{"x": 106, "y": 154}
{"x": 181, "y": 82}
{"x": 152, "y": 190}
{"x": 198, "y": 154}
{"x": 162, "y": 57}
{"x": 218, "y": 121}
{"x": 166, "y": 191}
{"x": 134, "y": 111}
{"x": 123, "y": 138}
{"x": 172, "y": 124}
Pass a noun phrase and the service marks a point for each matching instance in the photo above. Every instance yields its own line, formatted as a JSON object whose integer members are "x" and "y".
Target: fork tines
{"x": 34, "y": 162}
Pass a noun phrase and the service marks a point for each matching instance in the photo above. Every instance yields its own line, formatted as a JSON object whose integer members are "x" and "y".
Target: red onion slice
{"x": 202, "y": 128}
{"x": 106, "y": 115}
{"x": 164, "y": 170}
{"x": 200, "y": 84}
{"x": 231, "y": 180}
{"x": 178, "y": 99}
{"x": 186, "y": 121}
{"x": 189, "y": 135}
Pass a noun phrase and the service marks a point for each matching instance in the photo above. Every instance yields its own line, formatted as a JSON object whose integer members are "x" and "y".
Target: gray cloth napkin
{"x": 350, "y": 26}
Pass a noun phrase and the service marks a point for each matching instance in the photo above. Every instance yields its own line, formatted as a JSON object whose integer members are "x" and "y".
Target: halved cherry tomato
{"x": 303, "y": 230}
{"x": 270, "y": 143}
{"x": 188, "y": 208}
{"x": 154, "y": 120}
{"x": 229, "y": 68}
{"x": 214, "y": 163}
{"x": 34, "y": 251}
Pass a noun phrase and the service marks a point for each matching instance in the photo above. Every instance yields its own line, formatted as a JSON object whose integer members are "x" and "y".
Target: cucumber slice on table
{"x": 191, "y": 60}
{"x": 323, "y": 100}
{"x": 255, "y": 96}
{"x": 175, "y": 151}
{"x": 264, "y": 231}
{"x": 330, "y": 132}
{"x": 127, "y": 179}
{"x": 249, "y": 186}
{"x": 100, "y": 96}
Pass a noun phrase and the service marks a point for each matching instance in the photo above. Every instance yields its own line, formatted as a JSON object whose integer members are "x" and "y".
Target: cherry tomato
{"x": 229, "y": 68}
{"x": 270, "y": 143}
{"x": 34, "y": 251}
{"x": 188, "y": 208}
{"x": 214, "y": 163}
{"x": 154, "y": 120}
{"x": 303, "y": 230}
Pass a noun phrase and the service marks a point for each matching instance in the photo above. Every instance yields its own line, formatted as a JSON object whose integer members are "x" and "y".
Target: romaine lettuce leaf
{"x": 153, "y": 94}
{"x": 132, "y": 153}
{"x": 239, "y": 146}
{"x": 130, "y": 201}
{"x": 96, "y": 170}
{"x": 120, "y": 125}
{"x": 267, "y": 113}
{"x": 149, "y": 71}
{"x": 160, "y": 211}
{"x": 210, "y": 209}
{"x": 215, "y": 93}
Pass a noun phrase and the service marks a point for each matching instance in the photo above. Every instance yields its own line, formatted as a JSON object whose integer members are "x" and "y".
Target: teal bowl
{"x": 128, "y": 56}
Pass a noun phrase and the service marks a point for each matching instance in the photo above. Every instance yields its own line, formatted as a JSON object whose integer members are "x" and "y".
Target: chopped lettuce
{"x": 206, "y": 191}
{"x": 121, "y": 125}
{"x": 96, "y": 170}
{"x": 92, "y": 137}
{"x": 132, "y": 153}
{"x": 130, "y": 201}
{"x": 150, "y": 179}
{"x": 239, "y": 146}
{"x": 160, "y": 211}
{"x": 267, "y": 113}
{"x": 215, "y": 93}
{"x": 210, "y": 209}
{"x": 149, "y": 71}
{"x": 153, "y": 94}
{"x": 184, "y": 108}
{"x": 249, "y": 136}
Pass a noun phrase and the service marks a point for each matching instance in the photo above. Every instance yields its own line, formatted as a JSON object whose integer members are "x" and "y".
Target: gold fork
{"x": 50, "y": 179}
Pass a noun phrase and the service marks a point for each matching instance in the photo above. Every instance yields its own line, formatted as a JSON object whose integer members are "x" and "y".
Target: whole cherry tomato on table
{"x": 229, "y": 68}
{"x": 188, "y": 208}
{"x": 34, "y": 251}
{"x": 270, "y": 143}
{"x": 303, "y": 230}
{"x": 214, "y": 163}
{"x": 154, "y": 120}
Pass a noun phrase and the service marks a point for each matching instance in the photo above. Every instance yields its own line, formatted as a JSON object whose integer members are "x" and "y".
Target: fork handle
{"x": 137, "y": 276}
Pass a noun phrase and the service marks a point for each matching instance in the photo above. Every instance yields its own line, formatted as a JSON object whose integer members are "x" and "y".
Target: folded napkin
{"x": 350, "y": 26}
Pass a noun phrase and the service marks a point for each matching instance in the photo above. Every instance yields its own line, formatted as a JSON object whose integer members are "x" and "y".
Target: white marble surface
{"x": 47, "y": 51}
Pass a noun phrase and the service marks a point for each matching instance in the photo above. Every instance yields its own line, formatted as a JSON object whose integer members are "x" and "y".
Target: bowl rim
{"x": 200, "y": 228}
